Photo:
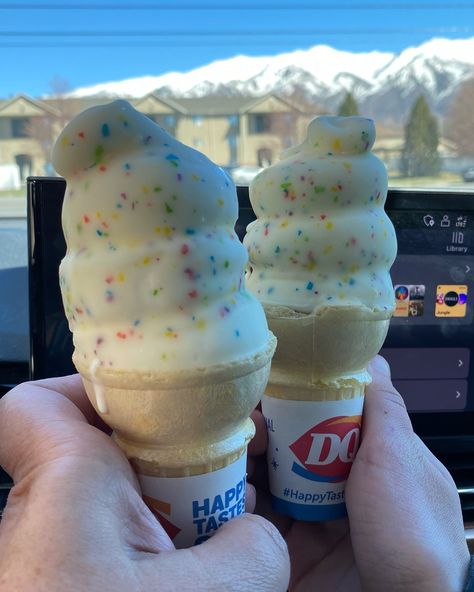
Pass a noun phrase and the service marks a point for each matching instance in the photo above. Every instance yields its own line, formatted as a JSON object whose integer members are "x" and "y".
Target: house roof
{"x": 211, "y": 105}
{"x": 230, "y": 105}
{"x": 165, "y": 101}
{"x": 75, "y": 105}
{"x": 36, "y": 104}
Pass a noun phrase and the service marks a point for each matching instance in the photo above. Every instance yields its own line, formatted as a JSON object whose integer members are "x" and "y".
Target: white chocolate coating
{"x": 322, "y": 238}
{"x": 153, "y": 276}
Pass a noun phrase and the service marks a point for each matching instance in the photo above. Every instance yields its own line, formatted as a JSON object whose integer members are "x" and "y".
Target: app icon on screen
{"x": 402, "y": 293}
{"x": 409, "y": 300}
{"x": 451, "y": 300}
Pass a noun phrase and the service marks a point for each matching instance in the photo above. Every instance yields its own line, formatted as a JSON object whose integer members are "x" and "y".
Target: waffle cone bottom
{"x": 180, "y": 423}
{"x": 324, "y": 356}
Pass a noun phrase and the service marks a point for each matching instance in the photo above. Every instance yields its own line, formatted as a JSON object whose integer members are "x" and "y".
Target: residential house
{"x": 231, "y": 131}
{"x": 26, "y": 128}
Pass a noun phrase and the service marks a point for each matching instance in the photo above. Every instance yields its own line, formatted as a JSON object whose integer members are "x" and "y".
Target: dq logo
{"x": 327, "y": 450}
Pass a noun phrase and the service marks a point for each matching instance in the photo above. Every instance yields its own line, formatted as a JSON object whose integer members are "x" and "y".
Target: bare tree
{"x": 282, "y": 124}
{"x": 58, "y": 111}
{"x": 42, "y": 129}
{"x": 305, "y": 103}
{"x": 58, "y": 99}
{"x": 460, "y": 119}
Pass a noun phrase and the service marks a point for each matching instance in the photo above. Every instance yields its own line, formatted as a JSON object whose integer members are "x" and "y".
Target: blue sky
{"x": 83, "y": 44}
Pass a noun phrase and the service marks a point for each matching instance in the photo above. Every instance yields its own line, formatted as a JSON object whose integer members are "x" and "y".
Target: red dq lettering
{"x": 328, "y": 448}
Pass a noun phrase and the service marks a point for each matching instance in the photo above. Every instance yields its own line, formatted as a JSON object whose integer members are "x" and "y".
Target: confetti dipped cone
{"x": 173, "y": 351}
{"x": 320, "y": 253}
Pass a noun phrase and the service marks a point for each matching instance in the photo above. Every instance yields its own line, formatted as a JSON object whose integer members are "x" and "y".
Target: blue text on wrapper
{"x": 211, "y": 513}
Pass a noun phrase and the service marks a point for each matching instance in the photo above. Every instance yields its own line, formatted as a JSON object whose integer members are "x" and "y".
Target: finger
{"x": 250, "y": 498}
{"x": 389, "y": 449}
{"x": 386, "y": 426}
{"x": 258, "y": 444}
{"x": 47, "y": 420}
{"x": 387, "y": 433}
{"x": 245, "y": 554}
{"x": 73, "y": 389}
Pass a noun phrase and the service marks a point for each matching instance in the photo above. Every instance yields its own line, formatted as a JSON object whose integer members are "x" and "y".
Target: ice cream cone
{"x": 173, "y": 351}
{"x": 320, "y": 253}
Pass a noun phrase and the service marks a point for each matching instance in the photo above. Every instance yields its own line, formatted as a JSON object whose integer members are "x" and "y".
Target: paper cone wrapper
{"x": 186, "y": 435}
{"x": 191, "y": 508}
{"x": 313, "y": 406}
{"x": 311, "y": 446}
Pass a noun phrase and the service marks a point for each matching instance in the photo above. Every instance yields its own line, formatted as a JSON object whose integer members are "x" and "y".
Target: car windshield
{"x": 238, "y": 81}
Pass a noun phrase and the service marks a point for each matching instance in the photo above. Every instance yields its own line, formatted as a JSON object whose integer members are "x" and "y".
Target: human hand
{"x": 75, "y": 519}
{"x": 405, "y": 530}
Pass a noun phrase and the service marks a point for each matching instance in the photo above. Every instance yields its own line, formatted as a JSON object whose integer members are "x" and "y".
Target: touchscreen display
{"x": 430, "y": 336}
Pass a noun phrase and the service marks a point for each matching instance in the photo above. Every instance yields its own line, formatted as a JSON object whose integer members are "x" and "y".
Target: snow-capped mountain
{"x": 384, "y": 84}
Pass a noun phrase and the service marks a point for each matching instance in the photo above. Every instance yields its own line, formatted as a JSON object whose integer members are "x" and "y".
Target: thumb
{"x": 245, "y": 554}
{"x": 385, "y": 412}
{"x": 389, "y": 446}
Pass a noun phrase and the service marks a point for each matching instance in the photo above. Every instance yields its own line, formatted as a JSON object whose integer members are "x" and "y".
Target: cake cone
{"x": 320, "y": 253}
{"x": 313, "y": 405}
{"x": 191, "y": 424}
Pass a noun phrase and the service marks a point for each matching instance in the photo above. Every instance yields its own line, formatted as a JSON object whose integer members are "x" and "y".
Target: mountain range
{"x": 384, "y": 84}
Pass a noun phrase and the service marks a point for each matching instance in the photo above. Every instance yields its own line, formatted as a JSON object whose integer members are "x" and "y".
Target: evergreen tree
{"x": 348, "y": 106}
{"x": 420, "y": 156}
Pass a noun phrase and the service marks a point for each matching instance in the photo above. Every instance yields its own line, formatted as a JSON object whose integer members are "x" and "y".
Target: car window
{"x": 238, "y": 81}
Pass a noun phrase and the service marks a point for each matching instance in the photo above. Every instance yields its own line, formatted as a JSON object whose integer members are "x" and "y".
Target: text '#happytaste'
{"x": 325, "y": 497}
